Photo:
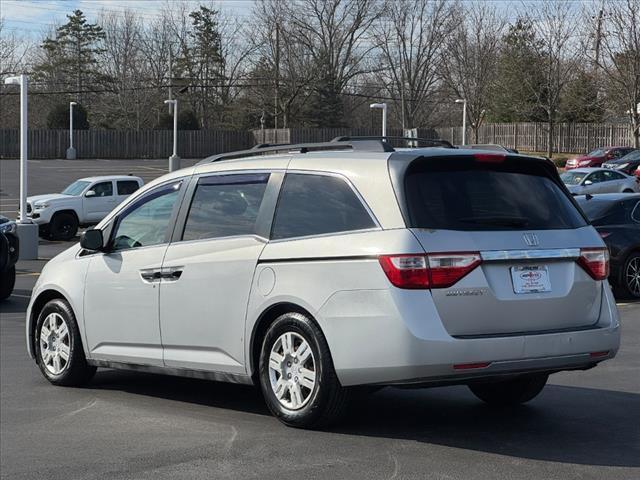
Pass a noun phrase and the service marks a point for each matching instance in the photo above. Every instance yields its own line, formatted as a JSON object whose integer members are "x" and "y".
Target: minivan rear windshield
{"x": 459, "y": 194}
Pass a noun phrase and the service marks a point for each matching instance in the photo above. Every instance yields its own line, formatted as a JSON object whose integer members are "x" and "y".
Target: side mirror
{"x": 92, "y": 240}
{"x": 587, "y": 183}
{"x": 90, "y": 193}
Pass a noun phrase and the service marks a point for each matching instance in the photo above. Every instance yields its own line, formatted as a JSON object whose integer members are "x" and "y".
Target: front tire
{"x": 510, "y": 392}
{"x": 58, "y": 346}
{"x": 631, "y": 276}
{"x": 297, "y": 377}
{"x": 8, "y": 281}
{"x": 63, "y": 226}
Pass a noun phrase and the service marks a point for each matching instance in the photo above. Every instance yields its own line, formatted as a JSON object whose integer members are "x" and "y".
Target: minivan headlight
{"x": 620, "y": 166}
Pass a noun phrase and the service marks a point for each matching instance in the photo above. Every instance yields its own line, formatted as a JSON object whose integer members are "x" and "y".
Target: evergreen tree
{"x": 58, "y": 117}
{"x": 202, "y": 62}
{"x": 519, "y": 75}
{"x": 71, "y": 58}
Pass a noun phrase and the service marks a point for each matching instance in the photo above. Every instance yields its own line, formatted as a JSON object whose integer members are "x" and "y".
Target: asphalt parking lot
{"x": 584, "y": 425}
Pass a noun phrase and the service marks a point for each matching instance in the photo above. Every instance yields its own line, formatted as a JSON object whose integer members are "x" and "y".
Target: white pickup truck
{"x": 85, "y": 202}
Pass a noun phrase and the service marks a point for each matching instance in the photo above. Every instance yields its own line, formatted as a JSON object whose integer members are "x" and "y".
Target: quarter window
{"x": 127, "y": 187}
{"x": 146, "y": 222}
{"x": 225, "y": 206}
{"x": 611, "y": 176}
{"x": 317, "y": 204}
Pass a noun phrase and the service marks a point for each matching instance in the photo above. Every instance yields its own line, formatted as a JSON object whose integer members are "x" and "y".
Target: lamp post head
{"x": 12, "y": 81}
{"x": 461, "y": 100}
{"x": 172, "y": 102}
{"x": 378, "y": 105}
{"x": 72, "y": 103}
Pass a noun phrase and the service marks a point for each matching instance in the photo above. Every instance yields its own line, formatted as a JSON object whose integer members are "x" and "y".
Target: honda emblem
{"x": 531, "y": 239}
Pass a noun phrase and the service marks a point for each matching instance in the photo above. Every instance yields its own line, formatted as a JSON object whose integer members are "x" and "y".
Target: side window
{"x": 127, "y": 187}
{"x": 596, "y": 177}
{"x": 103, "y": 189}
{"x": 146, "y": 222}
{"x": 224, "y": 206}
{"x": 317, "y": 204}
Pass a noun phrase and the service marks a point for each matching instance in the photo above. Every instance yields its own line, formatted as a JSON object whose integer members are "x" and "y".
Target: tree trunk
{"x": 550, "y": 124}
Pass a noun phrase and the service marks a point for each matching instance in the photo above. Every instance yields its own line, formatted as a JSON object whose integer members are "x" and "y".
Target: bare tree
{"x": 411, "y": 35}
{"x": 334, "y": 33}
{"x": 13, "y": 50}
{"x": 558, "y": 51}
{"x": 472, "y": 57}
{"x": 619, "y": 57}
{"x": 282, "y": 69}
{"x": 125, "y": 67}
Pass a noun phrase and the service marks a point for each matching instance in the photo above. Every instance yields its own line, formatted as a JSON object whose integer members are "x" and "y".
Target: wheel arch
{"x": 266, "y": 318}
{"x": 38, "y": 304}
{"x": 71, "y": 211}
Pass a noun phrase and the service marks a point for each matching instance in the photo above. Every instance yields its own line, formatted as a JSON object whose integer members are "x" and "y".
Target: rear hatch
{"x": 534, "y": 263}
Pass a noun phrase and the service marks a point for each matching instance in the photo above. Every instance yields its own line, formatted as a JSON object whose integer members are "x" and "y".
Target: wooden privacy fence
{"x": 125, "y": 143}
{"x": 567, "y": 137}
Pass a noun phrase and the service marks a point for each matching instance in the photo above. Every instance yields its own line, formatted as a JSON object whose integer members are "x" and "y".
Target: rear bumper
{"x": 396, "y": 337}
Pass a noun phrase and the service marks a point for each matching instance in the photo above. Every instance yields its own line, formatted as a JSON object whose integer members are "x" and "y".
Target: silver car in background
{"x": 313, "y": 269}
{"x": 582, "y": 181}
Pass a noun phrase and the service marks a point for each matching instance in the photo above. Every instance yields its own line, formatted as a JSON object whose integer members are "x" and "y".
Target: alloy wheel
{"x": 55, "y": 343}
{"x": 632, "y": 276}
{"x": 292, "y": 370}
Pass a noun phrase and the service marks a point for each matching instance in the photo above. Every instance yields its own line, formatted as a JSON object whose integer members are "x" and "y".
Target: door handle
{"x": 172, "y": 274}
{"x": 151, "y": 275}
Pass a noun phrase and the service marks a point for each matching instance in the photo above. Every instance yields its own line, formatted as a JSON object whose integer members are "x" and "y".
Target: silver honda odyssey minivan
{"x": 313, "y": 269}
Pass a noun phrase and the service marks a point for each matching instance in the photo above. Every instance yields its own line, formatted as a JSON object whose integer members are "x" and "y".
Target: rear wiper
{"x": 498, "y": 221}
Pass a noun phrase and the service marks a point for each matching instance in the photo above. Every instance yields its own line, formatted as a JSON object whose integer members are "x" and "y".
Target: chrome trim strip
{"x": 550, "y": 254}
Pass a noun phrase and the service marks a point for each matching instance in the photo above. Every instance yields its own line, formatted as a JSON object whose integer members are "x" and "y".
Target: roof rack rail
{"x": 368, "y": 145}
{"x": 435, "y": 142}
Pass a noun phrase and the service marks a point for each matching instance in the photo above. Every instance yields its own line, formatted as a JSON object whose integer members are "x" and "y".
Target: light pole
{"x": 174, "y": 160}
{"x": 71, "y": 152}
{"x": 464, "y": 119}
{"x": 27, "y": 230}
{"x": 382, "y": 106}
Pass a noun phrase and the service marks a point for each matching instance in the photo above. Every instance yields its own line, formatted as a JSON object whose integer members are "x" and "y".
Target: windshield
{"x": 75, "y": 188}
{"x": 598, "y": 152}
{"x": 572, "y": 178}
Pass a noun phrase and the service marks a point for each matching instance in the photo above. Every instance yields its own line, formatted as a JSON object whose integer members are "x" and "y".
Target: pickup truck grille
{"x": 28, "y": 207}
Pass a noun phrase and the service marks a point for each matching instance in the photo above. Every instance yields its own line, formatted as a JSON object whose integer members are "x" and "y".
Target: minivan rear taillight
{"x": 438, "y": 270}
{"x": 595, "y": 262}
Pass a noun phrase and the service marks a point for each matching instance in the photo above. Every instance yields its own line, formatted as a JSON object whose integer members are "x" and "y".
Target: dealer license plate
{"x": 531, "y": 279}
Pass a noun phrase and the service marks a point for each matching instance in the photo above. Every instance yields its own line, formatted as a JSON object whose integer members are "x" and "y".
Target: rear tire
{"x": 627, "y": 191}
{"x": 296, "y": 373}
{"x": 63, "y": 226}
{"x": 630, "y": 283}
{"x": 510, "y": 392}
{"x": 7, "y": 282}
{"x": 58, "y": 346}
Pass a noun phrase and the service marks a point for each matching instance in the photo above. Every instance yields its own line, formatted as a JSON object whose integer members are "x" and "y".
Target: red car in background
{"x": 597, "y": 157}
